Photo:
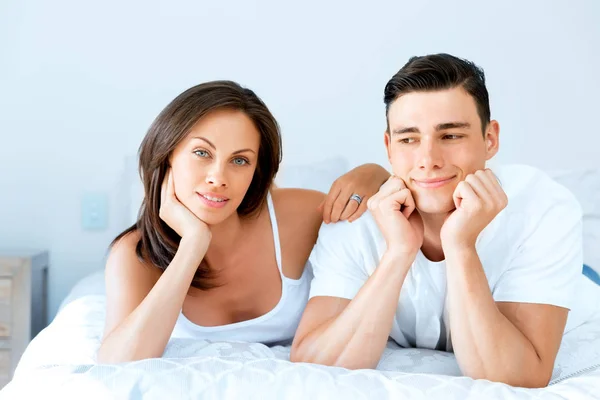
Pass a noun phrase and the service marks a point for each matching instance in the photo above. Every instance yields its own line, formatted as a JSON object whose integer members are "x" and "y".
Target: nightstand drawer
{"x": 5, "y": 364}
{"x": 5, "y": 306}
{"x": 23, "y": 278}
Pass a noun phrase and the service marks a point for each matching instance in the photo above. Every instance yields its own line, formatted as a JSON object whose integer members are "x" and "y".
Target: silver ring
{"x": 356, "y": 198}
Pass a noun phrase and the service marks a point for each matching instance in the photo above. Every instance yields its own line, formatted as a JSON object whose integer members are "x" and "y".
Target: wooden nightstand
{"x": 23, "y": 310}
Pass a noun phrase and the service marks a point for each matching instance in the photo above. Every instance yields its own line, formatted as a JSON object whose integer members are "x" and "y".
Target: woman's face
{"x": 214, "y": 165}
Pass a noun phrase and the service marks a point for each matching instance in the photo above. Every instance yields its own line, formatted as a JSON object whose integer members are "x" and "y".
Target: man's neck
{"x": 432, "y": 244}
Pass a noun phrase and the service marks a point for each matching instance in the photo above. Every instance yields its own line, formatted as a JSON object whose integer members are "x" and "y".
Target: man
{"x": 451, "y": 256}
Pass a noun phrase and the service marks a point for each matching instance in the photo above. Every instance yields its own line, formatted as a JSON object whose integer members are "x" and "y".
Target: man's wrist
{"x": 399, "y": 257}
{"x": 459, "y": 251}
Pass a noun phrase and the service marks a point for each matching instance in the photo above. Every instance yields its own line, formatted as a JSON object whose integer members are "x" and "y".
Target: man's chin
{"x": 435, "y": 209}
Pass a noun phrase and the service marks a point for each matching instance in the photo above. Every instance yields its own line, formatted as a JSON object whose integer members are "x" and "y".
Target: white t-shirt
{"x": 531, "y": 253}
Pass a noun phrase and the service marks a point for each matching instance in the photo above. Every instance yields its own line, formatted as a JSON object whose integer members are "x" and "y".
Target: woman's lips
{"x": 213, "y": 200}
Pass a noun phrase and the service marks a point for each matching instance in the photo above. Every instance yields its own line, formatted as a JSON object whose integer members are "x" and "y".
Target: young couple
{"x": 449, "y": 255}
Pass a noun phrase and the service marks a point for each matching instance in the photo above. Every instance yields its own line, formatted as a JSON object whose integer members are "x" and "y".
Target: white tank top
{"x": 278, "y": 326}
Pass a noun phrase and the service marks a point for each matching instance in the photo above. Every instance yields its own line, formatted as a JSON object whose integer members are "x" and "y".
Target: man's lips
{"x": 433, "y": 183}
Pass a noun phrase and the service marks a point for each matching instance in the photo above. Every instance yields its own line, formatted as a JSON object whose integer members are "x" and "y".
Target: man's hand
{"x": 393, "y": 207}
{"x": 478, "y": 199}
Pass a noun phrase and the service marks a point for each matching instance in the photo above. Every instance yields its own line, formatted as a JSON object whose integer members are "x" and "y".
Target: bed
{"x": 60, "y": 361}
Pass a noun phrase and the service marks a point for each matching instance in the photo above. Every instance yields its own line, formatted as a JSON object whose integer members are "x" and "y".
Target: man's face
{"x": 435, "y": 140}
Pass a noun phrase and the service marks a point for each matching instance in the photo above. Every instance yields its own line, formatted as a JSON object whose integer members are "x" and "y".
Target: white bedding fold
{"x": 61, "y": 360}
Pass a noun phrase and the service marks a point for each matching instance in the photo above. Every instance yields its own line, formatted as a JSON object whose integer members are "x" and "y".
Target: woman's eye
{"x": 240, "y": 161}
{"x": 201, "y": 153}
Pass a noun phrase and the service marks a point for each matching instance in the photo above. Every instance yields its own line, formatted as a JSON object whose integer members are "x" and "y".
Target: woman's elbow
{"x": 106, "y": 355}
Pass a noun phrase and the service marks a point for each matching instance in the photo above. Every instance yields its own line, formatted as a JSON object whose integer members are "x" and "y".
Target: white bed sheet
{"x": 60, "y": 363}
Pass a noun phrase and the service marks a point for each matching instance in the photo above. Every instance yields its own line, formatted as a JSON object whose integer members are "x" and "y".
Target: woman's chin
{"x": 210, "y": 218}
{"x": 214, "y": 216}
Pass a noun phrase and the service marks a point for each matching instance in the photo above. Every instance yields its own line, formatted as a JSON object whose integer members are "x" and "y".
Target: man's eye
{"x": 407, "y": 140}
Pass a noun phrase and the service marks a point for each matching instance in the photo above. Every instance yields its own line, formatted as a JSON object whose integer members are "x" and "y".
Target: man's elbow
{"x": 296, "y": 354}
{"x": 300, "y": 353}
{"x": 535, "y": 380}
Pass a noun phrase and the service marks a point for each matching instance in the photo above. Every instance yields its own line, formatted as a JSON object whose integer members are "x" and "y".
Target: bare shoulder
{"x": 299, "y": 220}
{"x": 299, "y": 204}
{"x": 128, "y": 280}
{"x": 123, "y": 267}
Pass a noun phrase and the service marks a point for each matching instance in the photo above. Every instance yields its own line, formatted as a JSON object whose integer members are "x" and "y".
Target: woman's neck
{"x": 225, "y": 237}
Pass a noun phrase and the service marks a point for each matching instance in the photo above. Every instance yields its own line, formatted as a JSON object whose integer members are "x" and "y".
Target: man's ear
{"x": 387, "y": 139}
{"x": 492, "y": 139}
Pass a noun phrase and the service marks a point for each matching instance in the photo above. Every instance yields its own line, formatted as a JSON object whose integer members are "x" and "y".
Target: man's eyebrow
{"x": 439, "y": 127}
{"x": 452, "y": 125}
{"x": 408, "y": 129}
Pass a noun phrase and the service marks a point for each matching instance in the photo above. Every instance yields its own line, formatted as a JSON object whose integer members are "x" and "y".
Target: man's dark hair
{"x": 440, "y": 72}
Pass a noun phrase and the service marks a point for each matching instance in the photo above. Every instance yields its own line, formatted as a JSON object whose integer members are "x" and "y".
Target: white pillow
{"x": 130, "y": 194}
{"x": 585, "y": 185}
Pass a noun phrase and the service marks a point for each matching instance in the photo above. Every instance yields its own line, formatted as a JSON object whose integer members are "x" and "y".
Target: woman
{"x": 217, "y": 252}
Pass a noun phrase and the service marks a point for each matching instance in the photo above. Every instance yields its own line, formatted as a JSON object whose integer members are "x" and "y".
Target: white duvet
{"x": 60, "y": 364}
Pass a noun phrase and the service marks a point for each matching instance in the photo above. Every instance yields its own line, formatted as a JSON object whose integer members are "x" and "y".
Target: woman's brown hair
{"x": 158, "y": 242}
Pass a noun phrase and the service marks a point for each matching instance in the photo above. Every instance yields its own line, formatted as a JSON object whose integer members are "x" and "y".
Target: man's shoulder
{"x": 365, "y": 225}
{"x": 349, "y": 249}
{"x": 361, "y": 236}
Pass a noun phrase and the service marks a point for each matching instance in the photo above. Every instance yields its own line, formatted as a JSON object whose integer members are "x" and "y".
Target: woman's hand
{"x": 179, "y": 217}
{"x": 363, "y": 181}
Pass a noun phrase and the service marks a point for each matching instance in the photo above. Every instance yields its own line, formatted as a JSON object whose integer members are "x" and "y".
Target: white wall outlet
{"x": 94, "y": 211}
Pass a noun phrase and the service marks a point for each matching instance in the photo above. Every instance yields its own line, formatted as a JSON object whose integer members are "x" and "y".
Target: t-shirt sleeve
{"x": 547, "y": 263}
{"x": 337, "y": 262}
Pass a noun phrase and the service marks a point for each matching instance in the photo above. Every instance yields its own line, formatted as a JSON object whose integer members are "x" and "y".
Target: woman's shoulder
{"x": 123, "y": 260}
{"x": 298, "y": 206}
{"x": 124, "y": 246}
{"x": 298, "y": 219}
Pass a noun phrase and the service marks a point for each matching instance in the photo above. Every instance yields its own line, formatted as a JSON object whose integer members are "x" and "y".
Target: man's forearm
{"x": 486, "y": 344}
{"x": 357, "y": 337}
